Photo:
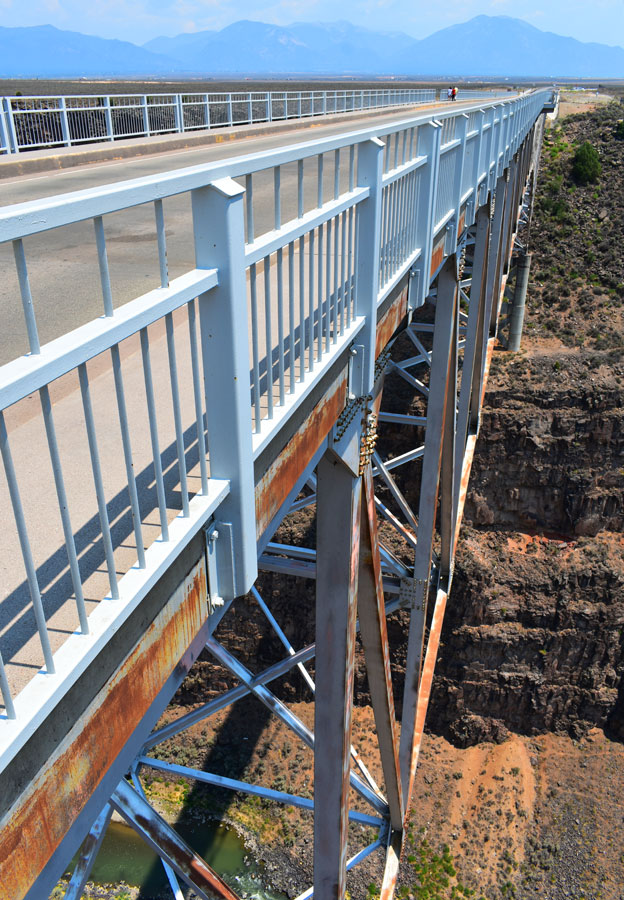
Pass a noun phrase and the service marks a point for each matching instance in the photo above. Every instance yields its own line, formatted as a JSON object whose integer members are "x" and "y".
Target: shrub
{"x": 586, "y": 165}
{"x": 619, "y": 130}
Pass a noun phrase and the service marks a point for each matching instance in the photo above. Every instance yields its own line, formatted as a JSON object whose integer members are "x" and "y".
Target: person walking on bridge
{"x": 454, "y": 93}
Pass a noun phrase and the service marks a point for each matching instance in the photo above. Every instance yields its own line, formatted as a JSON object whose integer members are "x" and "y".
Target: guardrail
{"x": 28, "y": 123}
{"x": 351, "y": 216}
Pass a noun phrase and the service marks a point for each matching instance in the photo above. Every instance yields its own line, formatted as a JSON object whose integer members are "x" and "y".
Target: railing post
{"x": 219, "y": 231}
{"x": 146, "y": 123}
{"x": 64, "y": 122}
{"x": 207, "y": 104}
{"x": 269, "y": 106}
{"x": 12, "y": 130}
{"x": 178, "y": 112}
{"x": 461, "y": 130}
{"x": 477, "y": 171}
{"x": 429, "y": 142}
{"x": 108, "y": 118}
{"x": 492, "y": 158}
{"x": 250, "y": 109}
{"x": 370, "y": 175}
{"x": 5, "y": 134}
{"x": 230, "y": 110}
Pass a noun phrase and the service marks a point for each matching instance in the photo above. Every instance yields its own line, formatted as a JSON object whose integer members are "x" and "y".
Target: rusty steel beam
{"x": 168, "y": 844}
{"x": 473, "y": 362}
{"x": 390, "y": 321}
{"x": 88, "y": 852}
{"x": 37, "y": 824}
{"x": 424, "y": 691}
{"x": 391, "y": 868}
{"x": 497, "y": 251}
{"x": 337, "y": 551}
{"x": 374, "y": 637}
{"x": 440, "y": 406}
{"x": 448, "y": 473}
{"x": 276, "y": 483}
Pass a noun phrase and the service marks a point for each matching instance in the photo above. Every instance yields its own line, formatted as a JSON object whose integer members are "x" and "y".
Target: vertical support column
{"x": 440, "y": 421}
{"x": 337, "y": 549}
{"x": 370, "y": 173}
{"x": 374, "y": 637}
{"x": 474, "y": 357}
{"x": 219, "y": 231}
{"x": 230, "y": 110}
{"x": 519, "y": 299}
{"x": 495, "y": 256}
{"x": 511, "y": 210}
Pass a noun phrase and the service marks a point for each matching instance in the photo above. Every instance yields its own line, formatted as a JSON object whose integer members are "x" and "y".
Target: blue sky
{"x": 140, "y": 20}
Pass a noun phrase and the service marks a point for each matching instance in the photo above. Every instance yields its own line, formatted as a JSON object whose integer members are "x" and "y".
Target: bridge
{"x": 153, "y": 441}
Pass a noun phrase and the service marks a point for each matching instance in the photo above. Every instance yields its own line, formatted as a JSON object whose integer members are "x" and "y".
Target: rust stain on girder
{"x": 391, "y": 868}
{"x": 470, "y": 448}
{"x": 424, "y": 689}
{"x": 34, "y": 827}
{"x": 283, "y": 473}
{"x": 390, "y": 321}
{"x": 437, "y": 256}
{"x": 153, "y": 828}
{"x": 462, "y": 220}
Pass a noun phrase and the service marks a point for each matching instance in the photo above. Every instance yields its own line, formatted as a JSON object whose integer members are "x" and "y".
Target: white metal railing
{"x": 28, "y": 123}
{"x": 295, "y": 249}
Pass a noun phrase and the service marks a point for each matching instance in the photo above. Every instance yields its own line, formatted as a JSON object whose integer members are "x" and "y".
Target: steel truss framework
{"x": 359, "y": 580}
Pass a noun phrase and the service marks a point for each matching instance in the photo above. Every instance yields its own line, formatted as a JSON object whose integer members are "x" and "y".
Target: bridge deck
{"x": 294, "y": 285}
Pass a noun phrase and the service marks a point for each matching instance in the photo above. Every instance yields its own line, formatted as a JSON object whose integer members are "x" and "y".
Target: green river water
{"x": 125, "y": 857}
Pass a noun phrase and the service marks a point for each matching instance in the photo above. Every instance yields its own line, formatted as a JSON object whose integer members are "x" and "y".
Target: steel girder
{"x": 359, "y": 580}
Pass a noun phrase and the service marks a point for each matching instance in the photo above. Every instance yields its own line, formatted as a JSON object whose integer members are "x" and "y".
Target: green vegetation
{"x": 586, "y": 166}
{"x": 435, "y": 875}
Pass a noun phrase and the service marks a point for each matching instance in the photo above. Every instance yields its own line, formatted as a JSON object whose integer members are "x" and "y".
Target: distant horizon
{"x": 503, "y": 48}
{"x": 150, "y": 19}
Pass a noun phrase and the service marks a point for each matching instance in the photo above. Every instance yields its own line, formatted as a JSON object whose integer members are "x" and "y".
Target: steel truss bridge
{"x": 268, "y": 356}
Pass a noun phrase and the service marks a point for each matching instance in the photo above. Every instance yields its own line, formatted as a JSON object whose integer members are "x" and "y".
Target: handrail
{"x": 28, "y": 123}
{"x": 352, "y": 215}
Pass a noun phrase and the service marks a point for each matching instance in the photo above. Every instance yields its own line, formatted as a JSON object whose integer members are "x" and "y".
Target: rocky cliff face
{"x": 533, "y": 639}
{"x": 551, "y": 450}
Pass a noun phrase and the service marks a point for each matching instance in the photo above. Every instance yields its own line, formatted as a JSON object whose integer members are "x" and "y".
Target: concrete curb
{"x": 69, "y": 157}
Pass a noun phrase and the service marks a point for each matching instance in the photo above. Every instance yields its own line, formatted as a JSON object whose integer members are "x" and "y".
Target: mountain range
{"x": 488, "y": 46}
